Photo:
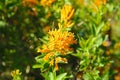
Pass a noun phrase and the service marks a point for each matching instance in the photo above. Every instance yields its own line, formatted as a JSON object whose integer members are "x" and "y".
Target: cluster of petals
{"x": 59, "y": 41}
{"x": 66, "y": 14}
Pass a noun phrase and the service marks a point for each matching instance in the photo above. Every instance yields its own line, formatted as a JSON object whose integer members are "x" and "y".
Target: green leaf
{"x": 2, "y": 23}
{"x": 87, "y": 76}
{"x": 39, "y": 58}
{"x": 93, "y": 30}
{"x": 44, "y": 39}
{"x": 51, "y": 76}
{"x": 61, "y": 76}
{"x": 78, "y": 54}
{"x": 100, "y": 28}
{"x": 37, "y": 66}
{"x": 1, "y": 6}
{"x": 99, "y": 41}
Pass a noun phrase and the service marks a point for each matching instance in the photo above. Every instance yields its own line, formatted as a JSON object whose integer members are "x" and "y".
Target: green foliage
{"x": 52, "y": 76}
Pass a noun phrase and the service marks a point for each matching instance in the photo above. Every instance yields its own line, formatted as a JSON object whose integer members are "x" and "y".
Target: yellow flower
{"x": 67, "y": 12}
{"x": 99, "y": 3}
{"x": 15, "y": 73}
{"x": 59, "y": 41}
{"x": 117, "y": 76}
{"x": 56, "y": 61}
{"x": 45, "y": 58}
{"x": 44, "y": 49}
{"x": 46, "y": 2}
{"x": 106, "y": 43}
{"x": 68, "y": 24}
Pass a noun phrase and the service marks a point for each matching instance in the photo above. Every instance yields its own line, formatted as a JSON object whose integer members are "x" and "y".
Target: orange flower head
{"x": 44, "y": 49}
{"x": 61, "y": 41}
{"x": 49, "y": 55}
{"x": 99, "y": 3}
{"x": 106, "y": 43}
{"x": 67, "y": 12}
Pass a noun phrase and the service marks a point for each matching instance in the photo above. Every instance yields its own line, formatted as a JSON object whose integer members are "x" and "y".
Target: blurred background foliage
{"x": 24, "y": 23}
